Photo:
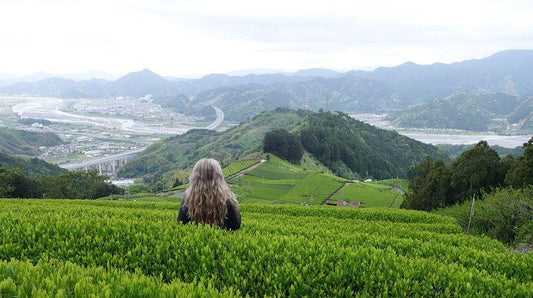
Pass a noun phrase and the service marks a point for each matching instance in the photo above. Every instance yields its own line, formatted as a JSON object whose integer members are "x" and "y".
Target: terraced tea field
{"x": 133, "y": 249}
{"x": 281, "y": 182}
{"x": 278, "y": 181}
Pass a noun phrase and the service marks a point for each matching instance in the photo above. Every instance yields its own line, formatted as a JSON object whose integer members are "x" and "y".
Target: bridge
{"x": 105, "y": 165}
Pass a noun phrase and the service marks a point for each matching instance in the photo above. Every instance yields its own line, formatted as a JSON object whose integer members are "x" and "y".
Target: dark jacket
{"x": 232, "y": 221}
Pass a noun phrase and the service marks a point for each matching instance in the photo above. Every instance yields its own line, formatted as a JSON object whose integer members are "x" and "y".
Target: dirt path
{"x": 242, "y": 172}
{"x": 326, "y": 201}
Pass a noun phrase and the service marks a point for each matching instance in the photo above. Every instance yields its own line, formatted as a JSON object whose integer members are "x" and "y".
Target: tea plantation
{"x": 133, "y": 249}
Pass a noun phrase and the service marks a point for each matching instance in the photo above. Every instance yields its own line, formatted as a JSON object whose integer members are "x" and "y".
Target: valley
{"x": 96, "y": 128}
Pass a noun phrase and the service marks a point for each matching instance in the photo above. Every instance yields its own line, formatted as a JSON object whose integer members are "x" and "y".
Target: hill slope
{"x": 478, "y": 112}
{"x": 347, "y": 146}
{"x": 32, "y": 167}
{"x": 25, "y": 142}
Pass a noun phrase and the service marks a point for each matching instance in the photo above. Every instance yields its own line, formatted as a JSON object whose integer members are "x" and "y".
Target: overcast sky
{"x": 182, "y": 38}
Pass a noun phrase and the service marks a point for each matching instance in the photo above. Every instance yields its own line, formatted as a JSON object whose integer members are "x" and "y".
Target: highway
{"x": 218, "y": 121}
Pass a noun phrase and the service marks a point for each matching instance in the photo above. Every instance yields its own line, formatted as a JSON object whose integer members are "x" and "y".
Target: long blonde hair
{"x": 208, "y": 193}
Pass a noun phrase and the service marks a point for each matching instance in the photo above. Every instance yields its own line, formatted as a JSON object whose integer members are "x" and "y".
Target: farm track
{"x": 326, "y": 201}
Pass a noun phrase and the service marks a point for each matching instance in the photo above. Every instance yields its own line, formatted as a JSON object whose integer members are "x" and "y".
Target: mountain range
{"x": 384, "y": 89}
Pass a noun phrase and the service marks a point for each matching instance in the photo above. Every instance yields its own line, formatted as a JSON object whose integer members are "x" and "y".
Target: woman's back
{"x": 231, "y": 222}
{"x": 208, "y": 200}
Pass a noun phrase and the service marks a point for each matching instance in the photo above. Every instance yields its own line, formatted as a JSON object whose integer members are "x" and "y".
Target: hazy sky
{"x": 181, "y": 38}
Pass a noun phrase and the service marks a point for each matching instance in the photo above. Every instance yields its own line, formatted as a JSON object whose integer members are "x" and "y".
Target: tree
{"x": 521, "y": 172}
{"x": 428, "y": 189}
{"x": 434, "y": 185}
{"x": 79, "y": 185}
{"x": 475, "y": 169}
{"x": 284, "y": 144}
{"x": 14, "y": 184}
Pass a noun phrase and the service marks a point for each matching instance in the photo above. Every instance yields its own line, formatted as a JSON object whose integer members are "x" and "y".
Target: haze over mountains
{"x": 385, "y": 89}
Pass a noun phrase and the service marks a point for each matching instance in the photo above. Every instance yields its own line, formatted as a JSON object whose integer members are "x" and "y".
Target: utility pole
{"x": 471, "y": 213}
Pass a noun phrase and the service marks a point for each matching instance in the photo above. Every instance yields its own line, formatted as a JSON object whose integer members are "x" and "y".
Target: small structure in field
{"x": 342, "y": 203}
{"x": 355, "y": 204}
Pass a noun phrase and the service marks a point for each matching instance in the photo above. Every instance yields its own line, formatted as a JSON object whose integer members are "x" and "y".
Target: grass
{"x": 399, "y": 183}
{"x": 370, "y": 195}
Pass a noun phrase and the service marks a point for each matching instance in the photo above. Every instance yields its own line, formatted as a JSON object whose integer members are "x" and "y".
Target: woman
{"x": 208, "y": 200}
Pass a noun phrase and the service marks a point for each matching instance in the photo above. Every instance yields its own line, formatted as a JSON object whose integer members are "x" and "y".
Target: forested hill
{"x": 31, "y": 167}
{"x": 25, "y": 142}
{"x": 480, "y": 112}
{"x": 354, "y": 149}
{"x": 348, "y": 147}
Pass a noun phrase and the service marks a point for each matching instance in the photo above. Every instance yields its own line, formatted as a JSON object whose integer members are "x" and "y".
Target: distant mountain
{"x": 317, "y": 72}
{"x": 214, "y": 81}
{"x": 23, "y": 142}
{"x": 58, "y": 87}
{"x": 139, "y": 84}
{"x": 347, "y": 146}
{"x": 509, "y": 72}
{"x": 348, "y": 93}
{"x": 53, "y": 87}
{"x": 385, "y": 89}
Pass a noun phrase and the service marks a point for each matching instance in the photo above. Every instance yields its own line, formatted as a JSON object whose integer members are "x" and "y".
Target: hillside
{"x": 31, "y": 167}
{"x": 23, "y": 142}
{"x": 348, "y": 147}
{"x": 478, "y": 112}
{"x": 182, "y": 151}
{"x": 136, "y": 249}
{"x": 276, "y": 181}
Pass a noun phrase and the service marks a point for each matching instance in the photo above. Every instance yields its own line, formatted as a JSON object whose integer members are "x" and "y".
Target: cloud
{"x": 203, "y": 36}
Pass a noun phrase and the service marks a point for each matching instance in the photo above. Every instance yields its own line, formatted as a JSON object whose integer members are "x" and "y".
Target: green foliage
{"x": 454, "y": 151}
{"x": 354, "y": 149}
{"x": 137, "y": 249}
{"x": 434, "y": 185}
{"x": 428, "y": 188}
{"x": 64, "y": 279}
{"x": 14, "y": 184}
{"x": 31, "y": 167}
{"x": 236, "y": 167}
{"x": 369, "y": 195}
{"x": 138, "y": 188}
{"x": 283, "y": 144}
{"x": 79, "y": 185}
{"x": 521, "y": 173}
{"x": 25, "y": 142}
{"x": 277, "y": 181}
{"x": 474, "y": 170}
{"x": 505, "y": 215}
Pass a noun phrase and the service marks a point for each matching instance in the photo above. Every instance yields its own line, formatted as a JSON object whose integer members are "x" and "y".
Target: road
{"x": 218, "y": 121}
